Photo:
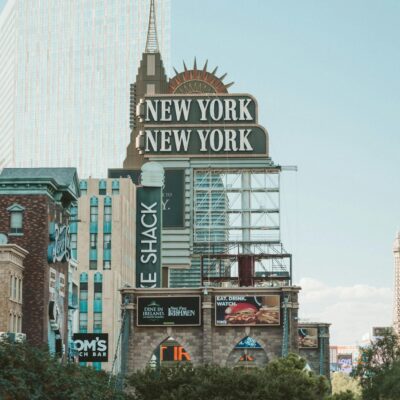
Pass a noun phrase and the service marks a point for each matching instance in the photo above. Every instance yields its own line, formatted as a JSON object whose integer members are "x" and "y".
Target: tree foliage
{"x": 28, "y": 373}
{"x": 282, "y": 379}
{"x": 378, "y": 369}
{"x": 342, "y": 382}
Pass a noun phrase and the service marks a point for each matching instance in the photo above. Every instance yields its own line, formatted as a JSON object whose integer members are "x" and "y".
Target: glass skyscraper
{"x": 70, "y": 65}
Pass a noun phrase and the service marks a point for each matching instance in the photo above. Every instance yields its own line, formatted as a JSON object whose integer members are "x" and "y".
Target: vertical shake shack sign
{"x": 198, "y": 125}
{"x": 148, "y": 237}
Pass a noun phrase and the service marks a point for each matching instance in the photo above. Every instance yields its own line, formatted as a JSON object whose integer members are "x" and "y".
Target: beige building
{"x": 11, "y": 281}
{"x": 103, "y": 240}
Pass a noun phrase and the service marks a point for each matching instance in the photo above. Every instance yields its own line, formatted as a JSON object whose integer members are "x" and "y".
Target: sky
{"x": 326, "y": 77}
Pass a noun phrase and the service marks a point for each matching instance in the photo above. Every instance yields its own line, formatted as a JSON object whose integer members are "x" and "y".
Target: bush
{"x": 29, "y": 373}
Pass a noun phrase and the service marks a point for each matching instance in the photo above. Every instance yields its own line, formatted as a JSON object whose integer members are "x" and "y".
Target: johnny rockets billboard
{"x": 198, "y": 125}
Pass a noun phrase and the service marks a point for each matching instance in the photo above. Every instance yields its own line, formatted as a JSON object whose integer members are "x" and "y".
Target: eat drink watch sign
{"x": 213, "y": 125}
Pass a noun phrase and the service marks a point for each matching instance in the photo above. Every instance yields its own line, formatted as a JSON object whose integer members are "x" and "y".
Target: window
{"x": 107, "y": 213}
{"x": 102, "y": 187}
{"x": 74, "y": 243}
{"x": 15, "y": 297}
{"x": 83, "y": 322}
{"x": 84, "y": 294}
{"x": 94, "y": 211}
{"x": 93, "y": 240}
{"x": 106, "y": 264}
{"x": 97, "y": 320}
{"x": 10, "y": 323}
{"x": 16, "y": 222}
{"x": 115, "y": 187}
{"x": 11, "y": 285}
{"x": 92, "y": 264}
{"x": 107, "y": 241}
{"x": 83, "y": 187}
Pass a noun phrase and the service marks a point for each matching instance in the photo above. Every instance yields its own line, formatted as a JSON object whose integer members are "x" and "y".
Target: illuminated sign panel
{"x": 199, "y": 125}
{"x": 198, "y": 109}
{"x": 92, "y": 347}
{"x": 148, "y": 237}
{"x": 247, "y": 310}
{"x": 161, "y": 311}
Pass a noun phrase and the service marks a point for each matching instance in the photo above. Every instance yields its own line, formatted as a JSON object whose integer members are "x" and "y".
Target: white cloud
{"x": 352, "y": 310}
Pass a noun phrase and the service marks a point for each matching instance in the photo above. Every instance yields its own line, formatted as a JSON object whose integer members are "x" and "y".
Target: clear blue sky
{"x": 326, "y": 76}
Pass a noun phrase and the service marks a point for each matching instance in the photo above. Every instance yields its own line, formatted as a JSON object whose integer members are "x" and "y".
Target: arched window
{"x": 169, "y": 353}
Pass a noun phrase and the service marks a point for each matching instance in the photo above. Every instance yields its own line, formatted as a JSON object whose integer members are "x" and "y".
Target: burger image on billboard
{"x": 247, "y": 310}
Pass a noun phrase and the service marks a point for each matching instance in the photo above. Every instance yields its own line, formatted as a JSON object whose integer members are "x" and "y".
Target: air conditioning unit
{"x": 20, "y": 337}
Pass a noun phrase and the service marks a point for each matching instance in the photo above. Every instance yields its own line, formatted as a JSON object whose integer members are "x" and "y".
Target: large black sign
{"x": 162, "y": 311}
{"x": 249, "y": 141}
{"x": 247, "y": 310}
{"x": 173, "y": 202}
{"x": 91, "y": 347}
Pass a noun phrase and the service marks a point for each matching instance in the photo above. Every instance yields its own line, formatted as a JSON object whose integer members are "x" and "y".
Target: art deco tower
{"x": 396, "y": 253}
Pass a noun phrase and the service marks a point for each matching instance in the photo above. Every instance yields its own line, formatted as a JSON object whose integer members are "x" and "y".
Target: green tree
{"x": 29, "y": 373}
{"x": 378, "y": 369}
{"x": 282, "y": 379}
{"x": 342, "y": 382}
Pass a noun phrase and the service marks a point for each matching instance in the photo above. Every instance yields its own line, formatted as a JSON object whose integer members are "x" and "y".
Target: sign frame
{"x": 168, "y": 297}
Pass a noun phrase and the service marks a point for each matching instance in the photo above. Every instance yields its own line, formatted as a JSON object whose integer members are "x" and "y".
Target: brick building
{"x": 34, "y": 214}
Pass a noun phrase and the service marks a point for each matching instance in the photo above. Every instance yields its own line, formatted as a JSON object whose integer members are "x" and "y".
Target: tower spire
{"x": 151, "y": 41}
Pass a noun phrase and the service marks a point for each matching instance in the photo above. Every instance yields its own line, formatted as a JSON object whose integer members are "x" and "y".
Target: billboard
{"x": 91, "y": 347}
{"x": 345, "y": 362}
{"x": 308, "y": 338}
{"x": 234, "y": 310}
{"x": 197, "y": 109}
{"x": 173, "y": 201}
{"x": 167, "y": 311}
{"x": 380, "y": 331}
{"x": 148, "y": 237}
{"x": 200, "y": 125}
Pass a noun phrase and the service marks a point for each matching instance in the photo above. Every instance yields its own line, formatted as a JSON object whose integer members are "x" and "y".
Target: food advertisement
{"x": 308, "y": 338}
{"x": 247, "y": 310}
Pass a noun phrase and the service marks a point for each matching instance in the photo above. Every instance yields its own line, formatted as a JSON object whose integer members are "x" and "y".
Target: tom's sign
{"x": 198, "y": 125}
{"x": 91, "y": 346}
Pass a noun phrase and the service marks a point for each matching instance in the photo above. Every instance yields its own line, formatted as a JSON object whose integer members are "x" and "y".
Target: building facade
{"x": 11, "y": 284}
{"x": 66, "y": 68}
{"x": 8, "y": 46}
{"x": 103, "y": 241}
{"x": 169, "y": 326}
{"x": 396, "y": 305}
{"x": 34, "y": 214}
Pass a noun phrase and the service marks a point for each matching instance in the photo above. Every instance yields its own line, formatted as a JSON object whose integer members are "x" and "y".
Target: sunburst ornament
{"x": 195, "y": 80}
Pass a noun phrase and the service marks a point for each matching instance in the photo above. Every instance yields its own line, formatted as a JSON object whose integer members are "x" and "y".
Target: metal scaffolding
{"x": 236, "y": 212}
